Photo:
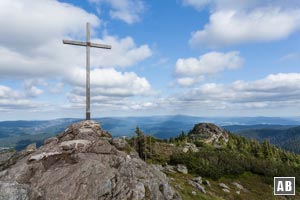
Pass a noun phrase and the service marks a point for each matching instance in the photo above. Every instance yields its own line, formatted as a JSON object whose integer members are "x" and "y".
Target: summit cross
{"x": 88, "y": 45}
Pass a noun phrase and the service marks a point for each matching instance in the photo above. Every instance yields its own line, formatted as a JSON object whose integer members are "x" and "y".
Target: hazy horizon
{"x": 155, "y": 116}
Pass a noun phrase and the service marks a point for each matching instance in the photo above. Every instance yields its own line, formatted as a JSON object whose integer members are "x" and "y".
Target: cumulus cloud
{"x": 123, "y": 54}
{"x": 7, "y": 92}
{"x": 31, "y": 89}
{"x": 191, "y": 70}
{"x": 187, "y": 81}
{"x": 32, "y": 46}
{"x": 30, "y": 41}
{"x": 31, "y": 49}
{"x": 53, "y": 59}
{"x": 111, "y": 91}
{"x": 235, "y": 22}
{"x": 40, "y": 54}
{"x": 11, "y": 99}
{"x": 232, "y": 27}
{"x": 275, "y": 89}
{"x": 128, "y": 11}
{"x": 33, "y": 22}
{"x": 109, "y": 82}
{"x": 237, "y": 98}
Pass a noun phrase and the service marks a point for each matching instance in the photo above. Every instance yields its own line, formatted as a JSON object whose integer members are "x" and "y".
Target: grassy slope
{"x": 257, "y": 188}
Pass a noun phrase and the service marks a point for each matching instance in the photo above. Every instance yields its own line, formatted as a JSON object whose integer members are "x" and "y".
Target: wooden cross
{"x": 87, "y": 44}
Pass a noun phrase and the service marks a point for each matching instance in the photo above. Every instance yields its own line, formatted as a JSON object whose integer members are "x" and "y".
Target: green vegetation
{"x": 145, "y": 146}
{"x": 232, "y": 159}
{"x": 257, "y": 189}
{"x": 238, "y": 156}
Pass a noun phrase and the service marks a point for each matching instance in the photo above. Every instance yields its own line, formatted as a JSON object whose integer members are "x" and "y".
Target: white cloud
{"x": 11, "y": 99}
{"x": 111, "y": 91}
{"x": 275, "y": 94}
{"x": 191, "y": 70}
{"x": 31, "y": 87}
{"x": 128, "y": 11}
{"x": 283, "y": 83}
{"x": 34, "y": 91}
{"x": 31, "y": 50}
{"x": 31, "y": 41}
{"x": 124, "y": 52}
{"x": 53, "y": 59}
{"x": 275, "y": 89}
{"x": 109, "y": 82}
{"x": 235, "y": 22}
{"x": 7, "y": 92}
{"x": 30, "y": 23}
{"x": 186, "y": 81}
{"x": 40, "y": 54}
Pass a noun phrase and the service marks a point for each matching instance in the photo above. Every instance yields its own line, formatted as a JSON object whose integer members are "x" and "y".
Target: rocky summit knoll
{"x": 209, "y": 133}
{"x": 83, "y": 162}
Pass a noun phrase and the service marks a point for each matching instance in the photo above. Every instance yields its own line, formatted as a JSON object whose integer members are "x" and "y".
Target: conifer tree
{"x": 140, "y": 142}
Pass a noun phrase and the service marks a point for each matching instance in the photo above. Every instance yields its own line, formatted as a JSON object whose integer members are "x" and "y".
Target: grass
{"x": 257, "y": 189}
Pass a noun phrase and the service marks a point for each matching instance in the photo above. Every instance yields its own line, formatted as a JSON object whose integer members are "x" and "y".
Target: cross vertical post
{"x": 88, "y": 87}
{"x": 88, "y": 44}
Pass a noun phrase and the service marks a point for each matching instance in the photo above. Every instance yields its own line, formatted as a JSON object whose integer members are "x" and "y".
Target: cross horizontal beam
{"x": 78, "y": 43}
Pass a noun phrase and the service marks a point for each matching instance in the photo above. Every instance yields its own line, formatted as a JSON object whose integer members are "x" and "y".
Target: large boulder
{"x": 83, "y": 162}
{"x": 182, "y": 169}
{"x": 189, "y": 147}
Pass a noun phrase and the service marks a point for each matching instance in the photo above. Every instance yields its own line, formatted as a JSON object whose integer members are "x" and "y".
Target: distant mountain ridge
{"x": 20, "y": 133}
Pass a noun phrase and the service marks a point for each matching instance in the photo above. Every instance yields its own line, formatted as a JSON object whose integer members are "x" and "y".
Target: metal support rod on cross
{"x": 88, "y": 45}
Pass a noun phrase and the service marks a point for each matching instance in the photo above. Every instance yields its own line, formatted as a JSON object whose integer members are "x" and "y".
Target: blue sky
{"x": 193, "y": 57}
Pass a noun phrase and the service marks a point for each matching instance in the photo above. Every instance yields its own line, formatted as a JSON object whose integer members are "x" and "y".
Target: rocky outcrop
{"x": 238, "y": 186}
{"x": 182, "y": 169}
{"x": 206, "y": 182}
{"x": 169, "y": 169}
{"x": 224, "y": 187}
{"x": 197, "y": 186}
{"x": 83, "y": 162}
{"x": 209, "y": 133}
{"x": 189, "y": 147}
{"x": 13, "y": 191}
{"x": 197, "y": 179}
{"x": 4, "y": 157}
